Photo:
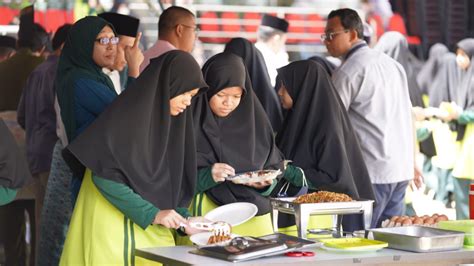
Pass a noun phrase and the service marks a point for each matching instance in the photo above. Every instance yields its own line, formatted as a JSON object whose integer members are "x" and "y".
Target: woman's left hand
{"x": 259, "y": 185}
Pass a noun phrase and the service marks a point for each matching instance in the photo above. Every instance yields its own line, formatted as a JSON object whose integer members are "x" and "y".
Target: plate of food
{"x": 254, "y": 176}
{"x": 208, "y": 239}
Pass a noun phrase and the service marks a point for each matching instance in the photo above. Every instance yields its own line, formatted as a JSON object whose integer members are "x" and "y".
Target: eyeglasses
{"x": 105, "y": 40}
{"x": 330, "y": 35}
{"x": 195, "y": 28}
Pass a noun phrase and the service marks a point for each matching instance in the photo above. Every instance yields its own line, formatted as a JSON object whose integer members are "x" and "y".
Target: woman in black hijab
{"x": 259, "y": 77}
{"x": 13, "y": 166}
{"x": 317, "y": 135}
{"x": 141, "y": 159}
{"x": 234, "y": 135}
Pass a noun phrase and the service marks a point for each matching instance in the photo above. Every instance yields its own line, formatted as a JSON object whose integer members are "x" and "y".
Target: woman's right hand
{"x": 169, "y": 219}
{"x": 220, "y": 171}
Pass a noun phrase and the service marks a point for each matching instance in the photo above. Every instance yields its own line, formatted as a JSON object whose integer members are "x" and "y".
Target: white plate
{"x": 201, "y": 239}
{"x": 253, "y": 177}
{"x": 359, "y": 250}
{"x": 233, "y": 213}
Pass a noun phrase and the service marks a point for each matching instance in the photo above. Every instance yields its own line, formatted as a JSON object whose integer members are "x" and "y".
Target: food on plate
{"x": 323, "y": 196}
{"x": 261, "y": 173}
{"x": 424, "y": 220}
{"x": 255, "y": 176}
{"x": 217, "y": 239}
{"x": 221, "y": 232}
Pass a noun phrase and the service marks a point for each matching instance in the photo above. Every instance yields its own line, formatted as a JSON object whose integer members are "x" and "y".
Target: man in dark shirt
{"x": 15, "y": 70}
{"x": 36, "y": 115}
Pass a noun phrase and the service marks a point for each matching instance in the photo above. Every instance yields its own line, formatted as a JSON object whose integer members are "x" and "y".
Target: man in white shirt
{"x": 127, "y": 60}
{"x": 177, "y": 29}
{"x": 271, "y": 39}
{"x": 373, "y": 88}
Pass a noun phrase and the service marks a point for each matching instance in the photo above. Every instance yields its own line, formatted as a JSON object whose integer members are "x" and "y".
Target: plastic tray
{"x": 355, "y": 243}
{"x": 466, "y": 226}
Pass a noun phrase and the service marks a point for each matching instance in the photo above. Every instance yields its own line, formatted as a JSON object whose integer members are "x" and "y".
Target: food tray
{"x": 466, "y": 226}
{"x": 303, "y": 211}
{"x": 419, "y": 238}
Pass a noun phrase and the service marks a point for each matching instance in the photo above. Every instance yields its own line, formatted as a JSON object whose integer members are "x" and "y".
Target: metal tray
{"x": 302, "y": 211}
{"x": 419, "y": 238}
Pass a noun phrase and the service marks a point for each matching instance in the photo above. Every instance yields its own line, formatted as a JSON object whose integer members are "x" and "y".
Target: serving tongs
{"x": 217, "y": 228}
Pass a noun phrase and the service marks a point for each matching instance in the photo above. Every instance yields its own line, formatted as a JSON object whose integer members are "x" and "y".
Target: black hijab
{"x": 136, "y": 141}
{"x": 13, "y": 166}
{"x": 244, "y": 139}
{"x": 395, "y": 45}
{"x": 328, "y": 66}
{"x": 259, "y": 77}
{"x": 430, "y": 68}
{"x": 317, "y": 135}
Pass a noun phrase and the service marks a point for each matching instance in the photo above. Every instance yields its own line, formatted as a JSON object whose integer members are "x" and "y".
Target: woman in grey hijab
{"x": 429, "y": 70}
{"x": 464, "y": 167}
{"x": 395, "y": 45}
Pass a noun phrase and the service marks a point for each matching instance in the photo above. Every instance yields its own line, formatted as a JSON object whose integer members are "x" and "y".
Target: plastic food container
{"x": 466, "y": 226}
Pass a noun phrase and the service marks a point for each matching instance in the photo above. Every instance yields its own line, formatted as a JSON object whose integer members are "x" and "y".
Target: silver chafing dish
{"x": 302, "y": 212}
{"x": 419, "y": 238}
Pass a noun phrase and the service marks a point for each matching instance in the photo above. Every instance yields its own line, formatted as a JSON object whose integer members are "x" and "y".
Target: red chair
{"x": 396, "y": 23}
{"x": 210, "y": 23}
{"x": 252, "y": 21}
{"x": 315, "y": 28}
{"x": 296, "y": 26}
{"x": 55, "y": 18}
{"x": 6, "y": 15}
{"x": 39, "y": 17}
{"x": 376, "y": 22}
{"x": 230, "y": 23}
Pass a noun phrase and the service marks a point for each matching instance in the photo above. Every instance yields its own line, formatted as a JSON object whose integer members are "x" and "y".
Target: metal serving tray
{"x": 419, "y": 238}
{"x": 302, "y": 211}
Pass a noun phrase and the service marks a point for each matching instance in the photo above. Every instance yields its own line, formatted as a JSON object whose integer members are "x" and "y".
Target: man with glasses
{"x": 373, "y": 88}
{"x": 177, "y": 29}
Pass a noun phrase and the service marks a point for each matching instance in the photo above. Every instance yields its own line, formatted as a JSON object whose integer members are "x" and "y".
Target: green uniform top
{"x": 132, "y": 205}
{"x": 466, "y": 117}
{"x": 7, "y": 195}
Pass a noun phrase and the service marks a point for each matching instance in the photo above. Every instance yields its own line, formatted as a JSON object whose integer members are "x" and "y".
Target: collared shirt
{"x": 37, "y": 116}
{"x": 159, "y": 48}
{"x": 373, "y": 88}
{"x": 114, "y": 75}
{"x": 273, "y": 60}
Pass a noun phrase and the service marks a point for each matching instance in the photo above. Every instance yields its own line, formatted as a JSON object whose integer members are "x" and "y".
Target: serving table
{"x": 180, "y": 255}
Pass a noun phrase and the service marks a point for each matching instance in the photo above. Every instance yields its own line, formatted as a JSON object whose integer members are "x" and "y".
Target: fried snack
{"x": 221, "y": 232}
{"x": 214, "y": 239}
{"x": 323, "y": 196}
